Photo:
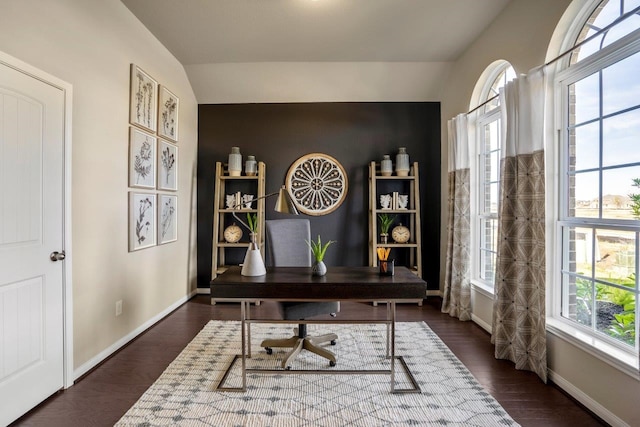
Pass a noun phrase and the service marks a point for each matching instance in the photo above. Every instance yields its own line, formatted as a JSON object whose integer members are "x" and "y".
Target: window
{"x": 599, "y": 186}
{"x": 487, "y": 165}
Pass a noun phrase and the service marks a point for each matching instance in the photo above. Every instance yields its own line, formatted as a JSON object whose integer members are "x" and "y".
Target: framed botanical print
{"x": 142, "y": 220}
{"x": 167, "y": 166}
{"x": 168, "y": 106}
{"x": 144, "y": 99}
{"x": 167, "y": 218}
{"x": 142, "y": 159}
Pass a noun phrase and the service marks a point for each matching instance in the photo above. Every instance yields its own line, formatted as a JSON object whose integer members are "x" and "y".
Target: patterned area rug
{"x": 184, "y": 394}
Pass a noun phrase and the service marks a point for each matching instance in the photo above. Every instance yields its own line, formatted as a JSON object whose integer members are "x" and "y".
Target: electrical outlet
{"x": 118, "y": 307}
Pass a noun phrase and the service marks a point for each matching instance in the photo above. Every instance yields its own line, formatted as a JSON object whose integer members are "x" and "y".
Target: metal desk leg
{"x": 248, "y": 308}
{"x": 388, "y": 328}
{"x": 393, "y": 345}
{"x": 243, "y": 312}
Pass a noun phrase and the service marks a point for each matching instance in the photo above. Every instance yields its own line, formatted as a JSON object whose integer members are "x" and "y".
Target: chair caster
{"x": 332, "y": 363}
{"x": 269, "y": 350}
{"x": 333, "y": 342}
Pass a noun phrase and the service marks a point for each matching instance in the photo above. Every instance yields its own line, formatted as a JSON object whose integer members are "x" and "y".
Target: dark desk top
{"x": 339, "y": 284}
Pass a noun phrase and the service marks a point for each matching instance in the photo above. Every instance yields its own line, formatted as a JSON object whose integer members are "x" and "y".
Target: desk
{"x": 339, "y": 284}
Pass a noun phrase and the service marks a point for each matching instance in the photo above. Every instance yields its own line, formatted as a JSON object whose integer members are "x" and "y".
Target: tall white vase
{"x": 235, "y": 162}
{"x": 402, "y": 162}
{"x": 253, "y": 263}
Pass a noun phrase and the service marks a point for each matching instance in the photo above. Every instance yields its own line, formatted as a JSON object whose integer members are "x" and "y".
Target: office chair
{"x": 286, "y": 247}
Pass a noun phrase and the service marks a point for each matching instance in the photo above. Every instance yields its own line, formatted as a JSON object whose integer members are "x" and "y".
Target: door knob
{"x": 57, "y": 256}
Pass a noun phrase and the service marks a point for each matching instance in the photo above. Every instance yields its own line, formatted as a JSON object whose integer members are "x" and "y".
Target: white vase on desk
{"x": 318, "y": 268}
{"x": 253, "y": 264}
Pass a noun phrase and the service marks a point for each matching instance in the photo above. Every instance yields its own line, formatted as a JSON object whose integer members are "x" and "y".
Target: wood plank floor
{"x": 101, "y": 397}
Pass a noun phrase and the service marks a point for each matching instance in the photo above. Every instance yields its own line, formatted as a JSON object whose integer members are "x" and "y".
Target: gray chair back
{"x": 286, "y": 244}
{"x": 286, "y": 247}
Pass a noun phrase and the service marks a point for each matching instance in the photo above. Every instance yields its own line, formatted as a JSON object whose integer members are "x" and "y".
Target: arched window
{"x": 486, "y": 120}
{"x": 599, "y": 185}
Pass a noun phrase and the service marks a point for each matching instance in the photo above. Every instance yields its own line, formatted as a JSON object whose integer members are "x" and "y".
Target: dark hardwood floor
{"x": 101, "y": 397}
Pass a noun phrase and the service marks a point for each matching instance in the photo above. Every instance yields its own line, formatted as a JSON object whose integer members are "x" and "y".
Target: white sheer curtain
{"x": 457, "y": 286}
{"x": 519, "y": 304}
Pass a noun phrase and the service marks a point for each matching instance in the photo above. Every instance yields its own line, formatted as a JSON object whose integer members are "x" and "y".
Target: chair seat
{"x": 302, "y": 310}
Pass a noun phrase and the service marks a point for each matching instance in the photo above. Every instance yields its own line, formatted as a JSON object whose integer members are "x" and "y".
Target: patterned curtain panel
{"x": 457, "y": 285}
{"x": 519, "y": 305}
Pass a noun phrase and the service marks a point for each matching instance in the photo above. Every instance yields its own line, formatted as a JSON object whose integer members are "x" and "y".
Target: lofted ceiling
{"x": 235, "y": 31}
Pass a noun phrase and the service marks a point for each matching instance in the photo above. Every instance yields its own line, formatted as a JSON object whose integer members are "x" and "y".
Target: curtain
{"x": 519, "y": 302}
{"x": 457, "y": 286}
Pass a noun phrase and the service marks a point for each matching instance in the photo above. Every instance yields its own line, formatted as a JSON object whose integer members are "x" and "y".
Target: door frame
{"x": 67, "y": 288}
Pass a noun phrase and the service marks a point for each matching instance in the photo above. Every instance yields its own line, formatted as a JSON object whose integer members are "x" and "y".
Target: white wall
{"x": 90, "y": 44}
{"x": 522, "y": 34}
{"x": 318, "y": 82}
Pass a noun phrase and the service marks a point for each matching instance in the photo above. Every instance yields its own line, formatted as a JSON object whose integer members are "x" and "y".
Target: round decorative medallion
{"x": 318, "y": 184}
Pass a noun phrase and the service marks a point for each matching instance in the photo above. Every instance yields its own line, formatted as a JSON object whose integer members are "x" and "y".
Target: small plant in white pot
{"x": 318, "y": 249}
{"x": 385, "y": 223}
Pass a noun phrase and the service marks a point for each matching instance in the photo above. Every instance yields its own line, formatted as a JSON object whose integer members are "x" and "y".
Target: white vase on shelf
{"x": 235, "y": 162}
{"x": 402, "y": 162}
{"x": 386, "y": 166}
{"x": 251, "y": 166}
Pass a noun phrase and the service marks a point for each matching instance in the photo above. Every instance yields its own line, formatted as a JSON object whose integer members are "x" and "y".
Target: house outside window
{"x": 487, "y": 165}
{"x": 599, "y": 179}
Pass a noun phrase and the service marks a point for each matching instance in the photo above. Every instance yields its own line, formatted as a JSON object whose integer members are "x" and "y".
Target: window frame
{"x": 605, "y": 348}
{"x": 480, "y": 118}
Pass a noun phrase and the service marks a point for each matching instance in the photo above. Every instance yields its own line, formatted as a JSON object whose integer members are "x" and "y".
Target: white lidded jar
{"x": 251, "y": 166}
{"x": 386, "y": 166}
{"x": 235, "y": 162}
{"x": 402, "y": 162}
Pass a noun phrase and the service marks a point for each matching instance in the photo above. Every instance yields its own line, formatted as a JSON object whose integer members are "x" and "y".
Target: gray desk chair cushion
{"x": 286, "y": 247}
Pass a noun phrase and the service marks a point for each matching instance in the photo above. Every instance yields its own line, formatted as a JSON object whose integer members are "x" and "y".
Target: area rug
{"x": 184, "y": 395}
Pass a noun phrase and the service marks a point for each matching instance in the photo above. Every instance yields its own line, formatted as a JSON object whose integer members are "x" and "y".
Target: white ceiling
{"x": 228, "y": 31}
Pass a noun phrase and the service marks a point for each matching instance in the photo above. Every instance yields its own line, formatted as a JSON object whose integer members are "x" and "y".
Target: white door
{"x": 31, "y": 228}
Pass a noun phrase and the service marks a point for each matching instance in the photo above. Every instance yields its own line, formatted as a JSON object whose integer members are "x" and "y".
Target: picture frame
{"x": 143, "y": 108}
{"x": 167, "y": 166}
{"x": 142, "y": 159}
{"x": 168, "y": 109}
{"x": 142, "y": 220}
{"x": 167, "y": 218}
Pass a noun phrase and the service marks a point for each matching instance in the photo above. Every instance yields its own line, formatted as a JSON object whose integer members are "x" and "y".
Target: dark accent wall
{"x": 354, "y": 134}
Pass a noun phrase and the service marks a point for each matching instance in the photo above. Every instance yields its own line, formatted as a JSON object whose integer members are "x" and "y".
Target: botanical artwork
{"x": 142, "y": 220}
{"x": 168, "y": 114}
{"x": 142, "y": 159}
{"x": 144, "y": 98}
{"x": 167, "y": 166}
{"x": 167, "y": 218}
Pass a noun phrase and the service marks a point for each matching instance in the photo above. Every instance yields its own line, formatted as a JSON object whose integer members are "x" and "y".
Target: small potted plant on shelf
{"x": 385, "y": 223}
{"x": 318, "y": 249}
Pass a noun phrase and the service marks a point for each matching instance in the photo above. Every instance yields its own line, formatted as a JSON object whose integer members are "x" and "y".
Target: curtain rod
{"x": 570, "y": 50}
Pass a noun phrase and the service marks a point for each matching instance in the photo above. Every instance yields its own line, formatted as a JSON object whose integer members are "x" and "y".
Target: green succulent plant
{"x": 318, "y": 249}
{"x": 385, "y": 222}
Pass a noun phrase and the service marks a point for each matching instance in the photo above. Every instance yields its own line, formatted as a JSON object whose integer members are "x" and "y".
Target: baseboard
{"x": 434, "y": 293}
{"x": 203, "y": 291}
{"x": 587, "y": 401}
{"x": 478, "y": 321}
{"x": 95, "y": 361}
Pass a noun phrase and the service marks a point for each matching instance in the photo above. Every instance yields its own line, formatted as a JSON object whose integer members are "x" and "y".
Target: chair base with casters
{"x": 287, "y": 247}
{"x": 301, "y": 341}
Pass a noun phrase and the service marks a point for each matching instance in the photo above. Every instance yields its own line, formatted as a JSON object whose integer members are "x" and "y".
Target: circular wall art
{"x": 318, "y": 184}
